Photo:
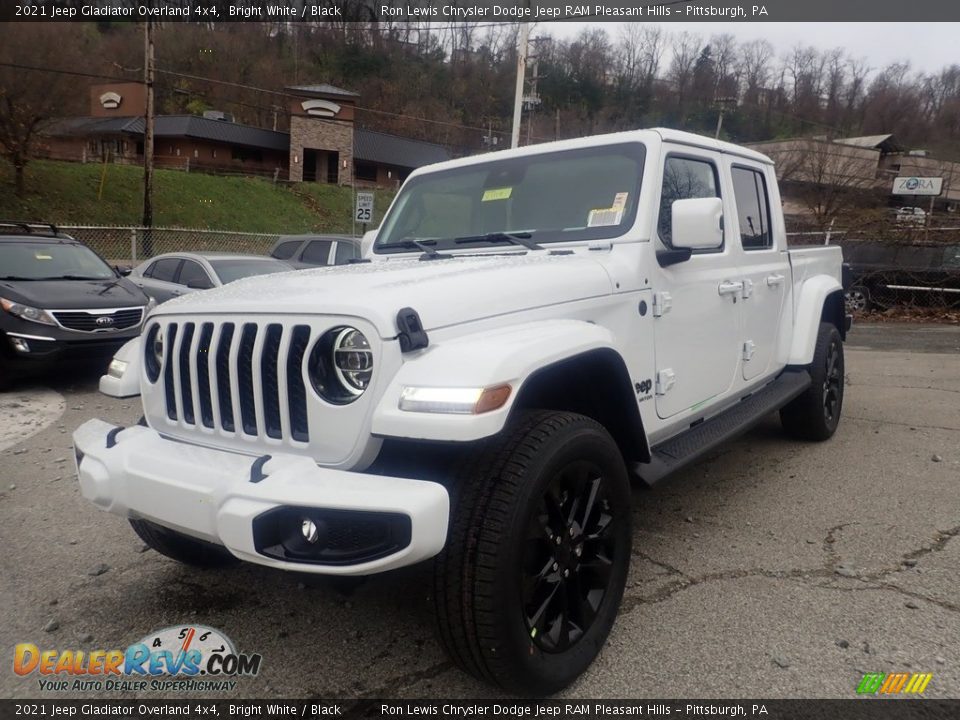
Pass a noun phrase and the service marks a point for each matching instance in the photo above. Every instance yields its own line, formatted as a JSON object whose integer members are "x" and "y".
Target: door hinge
{"x": 662, "y": 302}
{"x": 748, "y": 349}
{"x": 747, "y": 288}
{"x": 665, "y": 380}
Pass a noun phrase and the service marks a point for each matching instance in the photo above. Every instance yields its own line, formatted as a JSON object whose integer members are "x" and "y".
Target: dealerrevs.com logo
{"x": 176, "y": 659}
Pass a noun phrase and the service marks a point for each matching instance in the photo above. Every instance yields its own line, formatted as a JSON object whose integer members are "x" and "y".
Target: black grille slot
{"x": 224, "y": 398}
{"x": 248, "y": 415}
{"x": 296, "y": 392}
{"x": 203, "y": 374}
{"x": 186, "y": 386}
{"x": 269, "y": 381}
{"x": 168, "y": 360}
{"x": 85, "y": 321}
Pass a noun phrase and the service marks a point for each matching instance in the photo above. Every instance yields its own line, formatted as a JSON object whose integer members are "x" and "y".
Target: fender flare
{"x": 809, "y": 305}
{"x": 508, "y": 355}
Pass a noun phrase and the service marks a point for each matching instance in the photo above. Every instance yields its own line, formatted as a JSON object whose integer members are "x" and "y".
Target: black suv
{"x": 59, "y": 300}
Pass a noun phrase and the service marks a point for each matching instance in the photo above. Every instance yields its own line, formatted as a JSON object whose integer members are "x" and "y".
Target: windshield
{"x": 585, "y": 194}
{"x": 51, "y": 261}
{"x": 234, "y": 269}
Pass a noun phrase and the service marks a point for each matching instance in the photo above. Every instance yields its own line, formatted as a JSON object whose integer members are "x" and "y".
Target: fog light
{"x": 309, "y": 531}
{"x": 20, "y": 345}
{"x": 117, "y": 368}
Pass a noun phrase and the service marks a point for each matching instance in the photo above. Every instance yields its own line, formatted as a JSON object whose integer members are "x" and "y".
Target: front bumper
{"x": 217, "y": 496}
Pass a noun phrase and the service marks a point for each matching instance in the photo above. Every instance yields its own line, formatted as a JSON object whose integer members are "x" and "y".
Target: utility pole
{"x": 722, "y": 102}
{"x": 148, "y": 139}
{"x": 522, "y": 42}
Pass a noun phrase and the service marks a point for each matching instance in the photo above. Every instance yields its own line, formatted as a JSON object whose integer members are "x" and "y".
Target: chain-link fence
{"x": 131, "y": 245}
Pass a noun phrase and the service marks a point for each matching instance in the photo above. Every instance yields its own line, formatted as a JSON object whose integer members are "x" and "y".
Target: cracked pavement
{"x": 772, "y": 568}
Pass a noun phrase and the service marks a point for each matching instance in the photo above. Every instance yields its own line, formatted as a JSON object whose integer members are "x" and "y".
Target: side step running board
{"x": 678, "y": 451}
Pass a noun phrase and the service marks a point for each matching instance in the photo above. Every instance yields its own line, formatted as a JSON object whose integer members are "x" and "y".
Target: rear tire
{"x": 182, "y": 548}
{"x": 815, "y": 414}
{"x": 529, "y": 584}
{"x": 857, "y": 299}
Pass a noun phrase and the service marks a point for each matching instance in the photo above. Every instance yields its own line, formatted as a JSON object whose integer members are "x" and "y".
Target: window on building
{"x": 213, "y": 152}
{"x": 196, "y": 153}
{"x": 365, "y": 171}
{"x": 750, "y": 193}
{"x": 684, "y": 178}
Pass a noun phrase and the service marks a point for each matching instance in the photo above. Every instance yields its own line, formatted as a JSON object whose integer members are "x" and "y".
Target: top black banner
{"x": 479, "y": 11}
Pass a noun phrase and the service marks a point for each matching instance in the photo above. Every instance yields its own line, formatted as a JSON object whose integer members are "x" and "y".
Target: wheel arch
{"x": 596, "y": 384}
{"x": 819, "y": 299}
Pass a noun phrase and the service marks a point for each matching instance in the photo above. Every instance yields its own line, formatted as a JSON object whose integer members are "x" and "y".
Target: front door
{"x": 697, "y": 302}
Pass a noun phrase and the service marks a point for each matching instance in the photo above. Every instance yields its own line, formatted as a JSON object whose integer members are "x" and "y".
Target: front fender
{"x": 809, "y": 303}
{"x": 506, "y": 355}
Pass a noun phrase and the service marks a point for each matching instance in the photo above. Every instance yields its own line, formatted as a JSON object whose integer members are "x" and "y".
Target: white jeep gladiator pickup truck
{"x": 529, "y": 331}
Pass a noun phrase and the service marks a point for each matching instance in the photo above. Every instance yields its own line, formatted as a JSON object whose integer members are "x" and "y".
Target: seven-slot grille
{"x": 99, "y": 320}
{"x": 211, "y": 373}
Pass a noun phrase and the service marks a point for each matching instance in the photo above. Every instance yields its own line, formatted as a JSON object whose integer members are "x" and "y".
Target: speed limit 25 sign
{"x": 364, "y": 210}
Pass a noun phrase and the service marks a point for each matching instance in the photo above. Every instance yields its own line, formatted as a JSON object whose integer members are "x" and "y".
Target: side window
{"x": 165, "y": 270}
{"x": 192, "y": 272}
{"x": 750, "y": 193}
{"x": 684, "y": 178}
{"x": 317, "y": 252}
{"x": 345, "y": 251}
{"x": 285, "y": 250}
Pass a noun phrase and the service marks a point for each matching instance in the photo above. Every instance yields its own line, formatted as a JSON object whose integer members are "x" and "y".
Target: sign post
{"x": 363, "y": 212}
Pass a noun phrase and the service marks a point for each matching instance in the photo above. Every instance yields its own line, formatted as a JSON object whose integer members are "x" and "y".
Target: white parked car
{"x": 541, "y": 326}
{"x": 911, "y": 216}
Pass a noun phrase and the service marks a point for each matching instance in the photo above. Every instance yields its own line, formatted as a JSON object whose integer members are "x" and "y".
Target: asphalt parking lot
{"x": 772, "y": 568}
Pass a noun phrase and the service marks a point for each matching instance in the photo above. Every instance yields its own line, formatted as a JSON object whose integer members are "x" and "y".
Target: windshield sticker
{"x": 620, "y": 201}
{"x": 603, "y": 217}
{"x": 43, "y": 256}
{"x": 496, "y": 194}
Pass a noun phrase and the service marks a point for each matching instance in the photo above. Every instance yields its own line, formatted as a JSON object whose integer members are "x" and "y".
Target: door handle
{"x": 729, "y": 287}
{"x": 773, "y": 280}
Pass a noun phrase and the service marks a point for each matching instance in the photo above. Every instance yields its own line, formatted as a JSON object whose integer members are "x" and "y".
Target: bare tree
{"x": 825, "y": 176}
{"x": 29, "y": 100}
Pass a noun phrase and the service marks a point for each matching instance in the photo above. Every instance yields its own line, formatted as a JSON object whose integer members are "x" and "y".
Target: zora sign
{"x": 917, "y": 186}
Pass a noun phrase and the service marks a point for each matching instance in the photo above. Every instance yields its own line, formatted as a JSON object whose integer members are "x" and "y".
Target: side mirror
{"x": 697, "y": 223}
{"x": 366, "y": 243}
{"x": 198, "y": 284}
{"x": 122, "y": 271}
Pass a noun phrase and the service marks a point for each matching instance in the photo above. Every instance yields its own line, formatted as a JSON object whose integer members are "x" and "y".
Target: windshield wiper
{"x": 429, "y": 252}
{"x": 518, "y": 238}
{"x": 16, "y": 277}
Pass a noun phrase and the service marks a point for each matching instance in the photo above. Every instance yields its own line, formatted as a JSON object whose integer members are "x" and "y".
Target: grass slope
{"x": 67, "y": 194}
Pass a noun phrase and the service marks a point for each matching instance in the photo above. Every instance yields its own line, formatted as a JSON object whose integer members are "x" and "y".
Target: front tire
{"x": 857, "y": 299}
{"x": 815, "y": 414}
{"x": 182, "y": 548}
{"x": 529, "y": 584}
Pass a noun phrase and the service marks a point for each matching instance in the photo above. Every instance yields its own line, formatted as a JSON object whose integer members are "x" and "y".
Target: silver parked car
{"x": 305, "y": 251}
{"x": 173, "y": 274}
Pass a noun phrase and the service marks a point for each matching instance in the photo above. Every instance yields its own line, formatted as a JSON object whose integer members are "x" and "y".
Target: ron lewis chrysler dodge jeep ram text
{"x": 529, "y": 330}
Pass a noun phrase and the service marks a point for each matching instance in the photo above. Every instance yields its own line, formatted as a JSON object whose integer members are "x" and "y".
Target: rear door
{"x": 764, "y": 264}
{"x": 696, "y": 307}
{"x": 159, "y": 279}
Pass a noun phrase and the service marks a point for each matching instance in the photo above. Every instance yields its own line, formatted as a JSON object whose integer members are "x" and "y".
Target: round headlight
{"x": 341, "y": 365}
{"x": 153, "y": 353}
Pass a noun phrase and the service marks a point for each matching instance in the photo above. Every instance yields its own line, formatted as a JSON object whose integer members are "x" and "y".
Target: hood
{"x": 73, "y": 294}
{"x": 443, "y": 292}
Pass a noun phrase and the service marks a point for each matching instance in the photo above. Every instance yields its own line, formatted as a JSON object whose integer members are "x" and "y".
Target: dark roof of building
{"x": 321, "y": 89}
{"x": 886, "y": 143}
{"x": 176, "y": 126}
{"x": 386, "y": 149}
{"x": 368, "y": 145}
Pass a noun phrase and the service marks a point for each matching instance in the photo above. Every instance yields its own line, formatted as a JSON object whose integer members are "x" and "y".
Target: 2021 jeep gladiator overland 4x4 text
{"x": 528, "y": 331}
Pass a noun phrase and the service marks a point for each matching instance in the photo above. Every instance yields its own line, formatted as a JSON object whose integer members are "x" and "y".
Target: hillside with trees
{"x": 453, "y": 83}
